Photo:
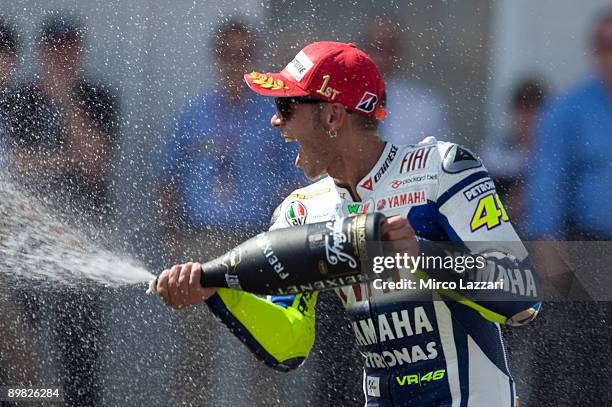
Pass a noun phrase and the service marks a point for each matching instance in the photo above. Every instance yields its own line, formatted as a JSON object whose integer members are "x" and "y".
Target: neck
{"x": 355, "y": 160}
{"x": 53, "y": 83}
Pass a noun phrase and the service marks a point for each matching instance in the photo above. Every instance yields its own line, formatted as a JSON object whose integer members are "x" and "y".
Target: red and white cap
{"x": 331, "y": 71}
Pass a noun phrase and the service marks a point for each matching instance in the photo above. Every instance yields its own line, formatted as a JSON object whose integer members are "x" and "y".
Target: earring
{"x": 332, "y": 133}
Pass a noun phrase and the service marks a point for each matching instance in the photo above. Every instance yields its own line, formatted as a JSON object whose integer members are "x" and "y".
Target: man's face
{"x": 603, "y": 50}
{"x": 382, "y": 46}
{"x": 304, "y": 126}
{"x": 523, "y": 121}
{"x": 61, "y": 57}
{"x": 234, "y": 57}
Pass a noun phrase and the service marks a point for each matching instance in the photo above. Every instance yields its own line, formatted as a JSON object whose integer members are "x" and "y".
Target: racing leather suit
{"x": 418, "y": 352}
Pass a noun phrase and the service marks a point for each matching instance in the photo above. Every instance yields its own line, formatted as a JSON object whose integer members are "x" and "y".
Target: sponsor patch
{"x": 367, "y": 184}
{"x": 425, "y": 178}
{"x": 385, "y": 165}
{"x": 479, "y": 189}
{"x": 415, "y": 159}
{"x": 367, "y": 103}
{"x": 373, "y": 386}
{"x": 310, "y": 194}
{"x": 296, "y": 213}
{"x": 299, "y": 66}
{"x": 304, "y": 303}
{"x": 399, "y": 200}
{"x": 359, "y": 208}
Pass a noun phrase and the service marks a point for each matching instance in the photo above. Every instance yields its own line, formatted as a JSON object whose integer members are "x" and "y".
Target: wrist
{"x": 208, "y": 292}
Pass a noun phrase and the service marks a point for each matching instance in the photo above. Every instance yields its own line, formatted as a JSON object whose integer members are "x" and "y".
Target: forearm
{"x": 499, "y": 285}
{"x": 281, "y": 337}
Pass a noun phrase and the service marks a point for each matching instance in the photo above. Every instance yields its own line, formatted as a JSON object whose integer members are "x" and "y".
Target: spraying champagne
{"x": 314, "y": 257}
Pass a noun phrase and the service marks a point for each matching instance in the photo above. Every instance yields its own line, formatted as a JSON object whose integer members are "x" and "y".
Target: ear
{"x": 335, "y": 116}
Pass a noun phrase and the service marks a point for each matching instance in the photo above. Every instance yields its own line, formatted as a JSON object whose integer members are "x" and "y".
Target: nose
{"x": 276, "y": 121}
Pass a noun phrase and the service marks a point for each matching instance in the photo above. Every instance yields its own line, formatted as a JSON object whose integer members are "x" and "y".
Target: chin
{"x": 314, "y": 175}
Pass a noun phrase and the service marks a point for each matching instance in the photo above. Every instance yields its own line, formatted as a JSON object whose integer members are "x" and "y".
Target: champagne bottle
{"x": 313, "y": 257}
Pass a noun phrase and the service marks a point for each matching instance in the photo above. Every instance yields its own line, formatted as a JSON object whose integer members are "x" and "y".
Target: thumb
{"x": 195, "y": 284}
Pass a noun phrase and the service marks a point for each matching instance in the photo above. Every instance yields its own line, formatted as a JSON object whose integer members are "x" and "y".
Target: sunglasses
{"x": 284, "y": 106}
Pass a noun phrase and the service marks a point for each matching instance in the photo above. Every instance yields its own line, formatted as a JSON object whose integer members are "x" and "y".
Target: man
{"x": 571, "y": 164}
{"x": 18, "y": 348}
{"x": 64, "y": 128}
{"x": 569, "y": 194}
{"x": 209, "y": 202}
{"x": 218, "y": 144}
{"x": 415, "y": 111}
{"x": 330, "y": 98}
{"x": 8, "y": 62}
{"x": 510, "y": 157}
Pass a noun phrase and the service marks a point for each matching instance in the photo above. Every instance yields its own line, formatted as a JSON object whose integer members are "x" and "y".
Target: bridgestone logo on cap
{"x": 367, "y": 102}
{"x": 300, "y": 65}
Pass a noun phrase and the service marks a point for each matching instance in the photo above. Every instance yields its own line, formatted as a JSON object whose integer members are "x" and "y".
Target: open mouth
{"x": 289, "y": 139}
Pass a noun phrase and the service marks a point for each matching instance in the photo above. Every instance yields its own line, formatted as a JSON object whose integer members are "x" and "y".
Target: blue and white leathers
{"x": 438, "y": 186}
{"x": 417, "y": 351}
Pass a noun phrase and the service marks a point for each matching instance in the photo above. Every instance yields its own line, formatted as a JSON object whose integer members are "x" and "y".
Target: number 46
{"x": 489, "y": 212}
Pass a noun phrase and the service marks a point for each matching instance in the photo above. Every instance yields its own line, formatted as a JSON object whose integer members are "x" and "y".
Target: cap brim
{"x": 273, "y": 84}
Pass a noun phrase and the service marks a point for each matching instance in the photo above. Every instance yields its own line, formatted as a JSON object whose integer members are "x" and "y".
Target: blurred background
{"x": 149, "y": 82}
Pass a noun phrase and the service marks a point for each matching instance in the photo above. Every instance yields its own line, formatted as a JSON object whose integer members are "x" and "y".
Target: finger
{"x": 196, "y": 291}
{"x": 173, "y": 293}
{"x": 390, "y": 224}
{"x": 397, "y": 222}
{"x": 183, "y": 286}
{"x": 179, "y": 295}
{"x": 399, "y": 234}
{"x": 162, "y": 286}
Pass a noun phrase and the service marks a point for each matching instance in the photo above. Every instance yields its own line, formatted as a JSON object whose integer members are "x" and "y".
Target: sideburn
{"x": 316, "y": 117}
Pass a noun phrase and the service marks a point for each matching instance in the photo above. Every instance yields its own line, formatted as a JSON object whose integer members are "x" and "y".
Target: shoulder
{"x": 303, "y": 204}
{"x": 585, "y": 89}
{"x": 456, "y": 159}
{"x": 434, "y": 155}
{"x": 577, "y": 98}
{"x": 449, "y": 164}
{"x": 460, "y": 168}
{"x": 321, "y": 187}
